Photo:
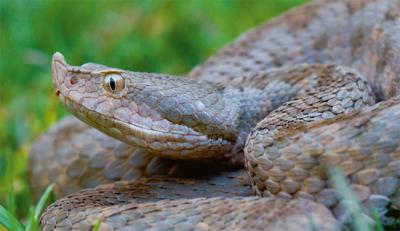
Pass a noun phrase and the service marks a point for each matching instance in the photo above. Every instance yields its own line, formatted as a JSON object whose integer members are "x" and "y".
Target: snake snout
{"x": 59, "y": 70}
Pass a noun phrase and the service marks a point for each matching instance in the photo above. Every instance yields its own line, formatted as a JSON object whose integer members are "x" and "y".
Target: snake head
{"x": 166, "y": 115}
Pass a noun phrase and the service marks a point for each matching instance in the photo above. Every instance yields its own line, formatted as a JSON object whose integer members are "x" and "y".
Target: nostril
{"x": 73, "y": 80}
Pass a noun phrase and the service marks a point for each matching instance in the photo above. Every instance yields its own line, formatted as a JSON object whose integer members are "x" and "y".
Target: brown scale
{"x": 318, "y": 117}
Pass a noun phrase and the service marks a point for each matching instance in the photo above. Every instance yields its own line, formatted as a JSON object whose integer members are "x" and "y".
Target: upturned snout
{"x": 59, "y": 70}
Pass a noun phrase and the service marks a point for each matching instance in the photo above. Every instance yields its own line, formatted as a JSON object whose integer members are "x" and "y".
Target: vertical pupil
{"x": 112, "y": 84}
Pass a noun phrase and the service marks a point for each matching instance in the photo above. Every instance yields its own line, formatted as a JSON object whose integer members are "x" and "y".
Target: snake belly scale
{"x": 314, "y": 89}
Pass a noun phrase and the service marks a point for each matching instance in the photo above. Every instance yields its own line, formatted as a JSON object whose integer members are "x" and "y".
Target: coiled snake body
{"x": 300, "y": 95}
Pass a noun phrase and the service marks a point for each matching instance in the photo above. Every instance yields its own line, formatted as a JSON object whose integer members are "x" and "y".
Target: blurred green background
{"x": 153, "y": 36}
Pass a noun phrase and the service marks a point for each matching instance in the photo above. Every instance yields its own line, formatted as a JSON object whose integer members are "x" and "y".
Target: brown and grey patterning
{"x": 300, "y": 95}
{"x": 184, "y": 119}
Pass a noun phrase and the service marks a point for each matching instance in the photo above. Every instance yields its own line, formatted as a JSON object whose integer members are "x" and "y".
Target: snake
{"x": 248, "y": 140}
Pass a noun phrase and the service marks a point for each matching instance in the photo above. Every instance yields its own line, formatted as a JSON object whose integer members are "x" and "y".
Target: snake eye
{"x": 114, "y": 83}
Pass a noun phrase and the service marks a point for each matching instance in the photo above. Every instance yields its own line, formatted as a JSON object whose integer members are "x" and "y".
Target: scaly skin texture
{"x": 361, "y": 34}
{"x": 295, "y": 162}
{"x": 77, "y": 156}
{"x": 204, "y": 214}
{"x": 312, "y": 117}
{"x": 89, "y": 158}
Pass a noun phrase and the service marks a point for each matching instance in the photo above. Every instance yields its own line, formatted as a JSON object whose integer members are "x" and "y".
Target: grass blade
{"x": 97, "y": 224}
{"x": 378, "y": 223}
{"x": 31, "y": 224}
{"x": 11, "y": 201}
{"x": 345, "y": 191}
{"x": 9, "y": 221}
{"x": 42, "y": 201}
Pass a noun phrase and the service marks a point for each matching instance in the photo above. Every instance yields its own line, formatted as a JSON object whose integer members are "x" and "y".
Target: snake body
{"x": 299, "y": 95}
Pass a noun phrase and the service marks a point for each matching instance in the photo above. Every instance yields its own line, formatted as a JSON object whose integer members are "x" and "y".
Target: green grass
{"x": 10, "y": 222}
{"x": 154, "y": 36}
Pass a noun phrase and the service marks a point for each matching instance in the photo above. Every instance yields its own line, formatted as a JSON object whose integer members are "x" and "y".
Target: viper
{"x": 311, "y": 91}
